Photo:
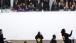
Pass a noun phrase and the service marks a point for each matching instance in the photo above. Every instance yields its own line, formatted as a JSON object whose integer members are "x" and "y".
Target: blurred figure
{"x": 32, "y": 8}
{"x": 53, "y": 39}
{"x": 23, "y": 6}
{"x": 1, "y": 36}
{"x": 70, "y": 4}
{"x": 15, "y": 6}
{"x": 55, "y": 6}
{"x": 62, "y": 3}
{"x": 26, "y": 8}
{"x": 39, "y": 5}
{"x": 74, "y": 4}
{"x": 60, "y": 6}
{"x": 46, "y": 5}
{"x": 66, "y": 36}
{"x": 72, "y": 8}
{"x": 19, "y": 9}
{"x": 66, "y": 7}
{"x": 39, "y": 37}
{"x": 25, "y": 42}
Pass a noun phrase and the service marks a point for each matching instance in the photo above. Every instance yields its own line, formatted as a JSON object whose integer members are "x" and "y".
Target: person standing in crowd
{"x": 1, "y": 36}
{"x": 39, "y": 38}
{"x": 46, "y": 5}
{"x": 32, "y": 8}
{"x": 62, "y": 3}
{"x": 39, "y": 5}
{"x": 60, "y": 6}
{"x": 55, "y": 6}
{"x": 23, "y": 5}
{"x": 53, "y": 39}
{"x": 66, "y": 36}
{"x": 15, "y": 6}
{"x": 19, "y": 9}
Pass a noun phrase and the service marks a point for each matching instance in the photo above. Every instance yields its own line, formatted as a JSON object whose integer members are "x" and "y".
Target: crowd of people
{"x": 31, "y": 5}
{"x": 63, "y": 4}
{"x": 39, "y": 37}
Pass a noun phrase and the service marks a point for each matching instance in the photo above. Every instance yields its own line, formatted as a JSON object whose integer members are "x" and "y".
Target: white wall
{"x": 24, "y": 26}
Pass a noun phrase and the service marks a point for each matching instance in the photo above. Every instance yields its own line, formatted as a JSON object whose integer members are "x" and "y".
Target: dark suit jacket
{"x": 39, "y": 5}
{"x": 1, "y": 38}
{"x": 55, "y": 7}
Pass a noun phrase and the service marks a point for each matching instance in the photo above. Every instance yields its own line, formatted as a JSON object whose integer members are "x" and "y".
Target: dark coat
{"x": 39, "y": 36}
{"x": 53, "y": 41}
{"x": 39, "y": 5}
{"x": 55, "y": 7}
{"x": 66, "y": 37}
{"x": 1, "y": 38}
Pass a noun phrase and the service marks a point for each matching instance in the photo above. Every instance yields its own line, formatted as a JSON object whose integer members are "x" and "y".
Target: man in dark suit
{"x": 39, "y": 5}
{"x": 55, "y": 6}
{"x": 46, "y": 5}
{"x": 1, "y": 36}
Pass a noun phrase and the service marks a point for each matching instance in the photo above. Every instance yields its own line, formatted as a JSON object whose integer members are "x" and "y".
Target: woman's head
{"x": 63, "y": 31}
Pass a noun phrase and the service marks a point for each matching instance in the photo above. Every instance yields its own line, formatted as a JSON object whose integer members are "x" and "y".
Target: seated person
{"x": 32, "y": 8}
{"x": 66, "y": 7}
{"x": 23, "y": 5}
{"x": 55, "y": 6}
{"x": 26, "y": 9}
{"x": 72, "y": 8}
{"x": 53, "y": 39}
{"x": 15, "y": 6}
{"x": 19, "y": 9}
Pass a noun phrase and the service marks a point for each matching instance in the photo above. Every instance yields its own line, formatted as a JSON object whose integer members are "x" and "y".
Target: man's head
{"x": 54, "y": 36}
{"x": 0, "y": 31}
